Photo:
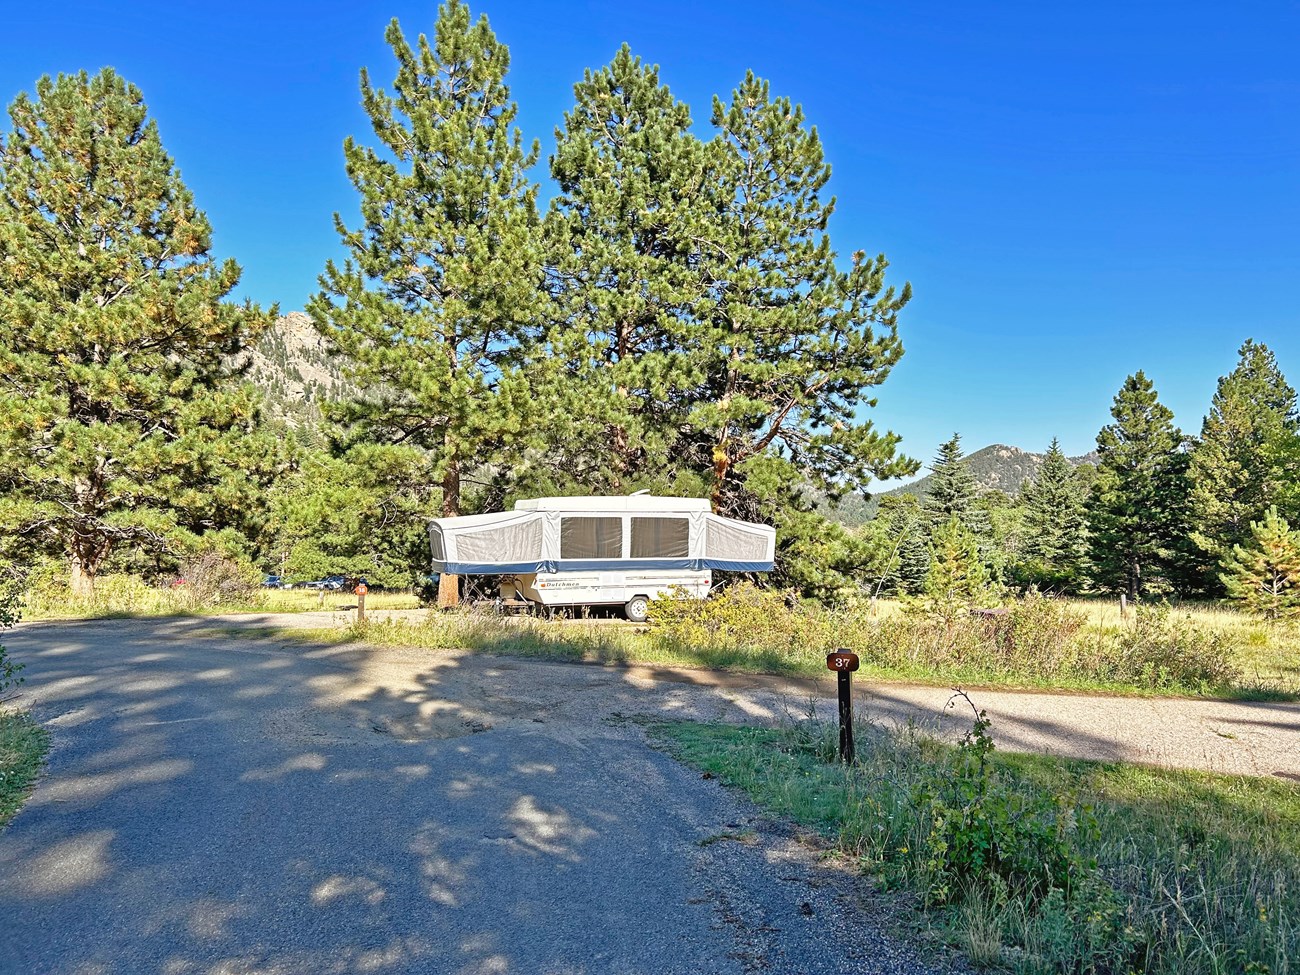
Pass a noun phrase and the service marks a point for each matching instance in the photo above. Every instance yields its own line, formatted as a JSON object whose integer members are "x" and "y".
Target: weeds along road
{"x": 216, "y": 804}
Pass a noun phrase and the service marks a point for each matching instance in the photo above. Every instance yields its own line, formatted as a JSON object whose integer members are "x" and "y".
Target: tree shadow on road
{"x": 221, "y": 804}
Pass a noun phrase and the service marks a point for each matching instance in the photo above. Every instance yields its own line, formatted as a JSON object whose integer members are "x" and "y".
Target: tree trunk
{"x": 84, "y": 562}
{"x": 448, "y": 584}
{"x": 721, "y": 465}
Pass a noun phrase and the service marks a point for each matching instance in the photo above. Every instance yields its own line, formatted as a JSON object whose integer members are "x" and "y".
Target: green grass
{"x": 23, "y": 744}
{"x": 1194, "y": 873}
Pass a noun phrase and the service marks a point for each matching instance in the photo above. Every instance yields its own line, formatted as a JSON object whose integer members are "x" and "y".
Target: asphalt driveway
{"x": 216, "y": 804}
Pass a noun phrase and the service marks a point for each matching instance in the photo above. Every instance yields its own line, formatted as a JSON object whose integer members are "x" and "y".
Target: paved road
{"x": 222, "y": 805}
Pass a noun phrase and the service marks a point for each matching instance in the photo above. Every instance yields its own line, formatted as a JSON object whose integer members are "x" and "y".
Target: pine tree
{"x": 439, "y": 303}
{"x": 1137, "y": 512}
{"x": 1285, "y": 458}
{"x": 952, "y": 492}
{"x": 901, "y": 534}
{"x": 631, "y": 178}
{"x": 1003, "y": 547}
{"x": 1054, "y": 504}
{"x": 791, "y": 344}
{"x": 122, "y": 422}
{"x": 1265, "y": 572}
{"x": 957, "y": 580}
{"x": 349, "y": 515}
{"x": 1235, "y": 473}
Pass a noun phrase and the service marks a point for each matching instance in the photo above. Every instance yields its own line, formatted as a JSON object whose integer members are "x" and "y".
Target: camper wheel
{"x": 637, "y": 609}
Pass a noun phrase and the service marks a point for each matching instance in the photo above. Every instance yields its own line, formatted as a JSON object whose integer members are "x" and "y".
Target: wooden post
{"x": 361, "y": 591}
{"x": 843, "y": 662}
{"x": 1123, "y": 606}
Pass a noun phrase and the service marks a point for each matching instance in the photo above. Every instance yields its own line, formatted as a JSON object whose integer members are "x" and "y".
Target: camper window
{"x": 660, "y": 538}
{"x": 591, "y": 538}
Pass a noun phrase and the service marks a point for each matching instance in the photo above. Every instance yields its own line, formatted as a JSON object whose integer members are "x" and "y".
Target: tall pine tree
{"x": 952, "y": 492}
{"x": 441, "y": 297}
{"x": 793, "y": 344}
{"x": 631, "y": 178}
{"x": 1137, "y": 512}
{"x": 1236, "y": 470}
{"x": 1056, "y": 535}
{"x": 123, "y": 426}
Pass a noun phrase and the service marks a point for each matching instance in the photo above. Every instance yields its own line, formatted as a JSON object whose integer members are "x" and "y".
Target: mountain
{"x": 291, "y": 367}
{"x": 996, "y": 467}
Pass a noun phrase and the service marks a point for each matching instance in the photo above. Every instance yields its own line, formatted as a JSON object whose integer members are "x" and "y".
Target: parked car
{"x": 274, "y": 582}
{"x": 329, "y": 584}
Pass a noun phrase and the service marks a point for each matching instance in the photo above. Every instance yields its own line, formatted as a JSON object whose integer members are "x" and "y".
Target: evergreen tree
{"x": 952, "y": 492}
{"x": 790, "y": 344}
{"x": 900, "y": 535}
{"x": 957, "y": 580}
{"x": 351, "y": 515}
{"x": 1235, "y": 470}
{"x": 122, "y": 424}
{"x": 1003, "y": 548}
{"x": 1137, "y": 512}
{"x": 631, "y": 185}
{"x": 1265, "y": 573}
{"x": 1056, "y": 539}
{"x": 1285, "y": 456}
{"x": 724, "y": 347}
{"x": 439, "y": 302}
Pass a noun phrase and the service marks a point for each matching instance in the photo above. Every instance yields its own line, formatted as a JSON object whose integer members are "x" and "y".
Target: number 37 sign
{"x": 842, "y": 661}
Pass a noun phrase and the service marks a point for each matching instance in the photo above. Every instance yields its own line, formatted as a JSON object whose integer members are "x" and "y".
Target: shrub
{"x": 1164, "y": 650}
{"x": 984, "y": 831}
{"x": 9, "y": 676}
{"x": 742, "y": 617}
{"x": 212, "y": 579}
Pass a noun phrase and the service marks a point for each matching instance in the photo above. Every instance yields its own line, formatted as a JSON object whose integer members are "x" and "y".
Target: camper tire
{"x": 637, "y": 609}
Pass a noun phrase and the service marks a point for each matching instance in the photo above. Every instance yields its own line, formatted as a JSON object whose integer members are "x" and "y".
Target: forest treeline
{"x": 675, "y": 318}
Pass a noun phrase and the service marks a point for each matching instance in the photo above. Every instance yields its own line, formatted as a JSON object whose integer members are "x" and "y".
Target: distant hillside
{"x": 290, "y": 365}
{"x": 995, "y": 467}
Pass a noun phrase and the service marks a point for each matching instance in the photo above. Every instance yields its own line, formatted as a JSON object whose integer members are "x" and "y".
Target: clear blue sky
{"x": 1075, "y": 191}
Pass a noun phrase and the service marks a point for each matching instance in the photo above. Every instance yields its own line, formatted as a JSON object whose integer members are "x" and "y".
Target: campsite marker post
{"x": 844, "y": 663}
{"x": 361, "y": 591}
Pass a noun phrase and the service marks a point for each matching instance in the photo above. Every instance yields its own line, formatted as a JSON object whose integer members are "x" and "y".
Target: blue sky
{"x": 1075, "y": 191}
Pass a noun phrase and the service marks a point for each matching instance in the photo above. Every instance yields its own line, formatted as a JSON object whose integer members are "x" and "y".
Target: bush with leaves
{"x": 214, "y": 578}
{"x": 982, "y": 827}
{"x": 740, "y": 617}
{"x": 9, "y": 615}
{"x": 1165, "y": 650}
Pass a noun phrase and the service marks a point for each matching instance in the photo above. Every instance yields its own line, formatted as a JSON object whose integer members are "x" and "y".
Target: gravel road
{"x": 1239, "y": 738}
{"x": 224, "y": 805}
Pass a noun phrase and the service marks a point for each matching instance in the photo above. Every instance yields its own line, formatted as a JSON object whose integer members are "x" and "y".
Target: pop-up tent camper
{"x": 589, "y": 551}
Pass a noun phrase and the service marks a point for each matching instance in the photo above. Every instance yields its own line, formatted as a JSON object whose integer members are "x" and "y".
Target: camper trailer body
{"x": 601, "y": 551}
